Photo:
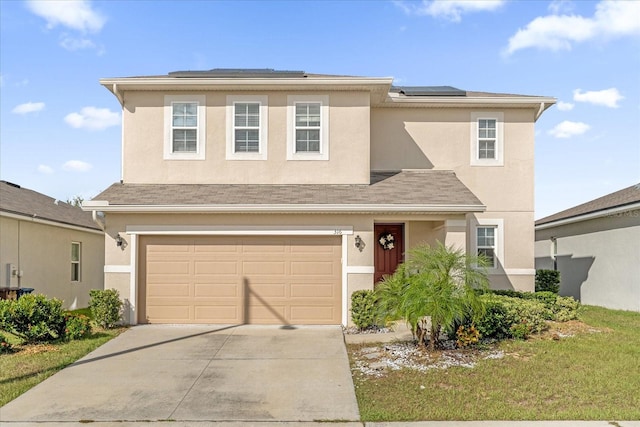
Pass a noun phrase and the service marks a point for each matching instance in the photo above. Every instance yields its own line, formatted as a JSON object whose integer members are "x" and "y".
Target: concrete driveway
{"x": 201, "y": 373}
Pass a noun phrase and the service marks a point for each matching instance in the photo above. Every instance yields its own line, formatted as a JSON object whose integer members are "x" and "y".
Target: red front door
{"x": 389, "y": 251}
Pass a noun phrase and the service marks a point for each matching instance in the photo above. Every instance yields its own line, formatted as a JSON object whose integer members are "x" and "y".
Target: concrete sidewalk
{"x": 192, "y": 373}
{"x": 340, "y": 424}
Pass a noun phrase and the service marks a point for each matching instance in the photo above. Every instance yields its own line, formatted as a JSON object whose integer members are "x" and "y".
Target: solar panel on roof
{"x": 238, "y": 72}
{"x": 428, "y": 91}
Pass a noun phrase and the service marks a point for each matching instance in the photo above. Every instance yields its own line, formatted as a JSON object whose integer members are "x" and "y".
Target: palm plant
{"x": 437, "y": 283}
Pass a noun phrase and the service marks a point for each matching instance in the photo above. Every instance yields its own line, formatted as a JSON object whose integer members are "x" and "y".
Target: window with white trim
{"x": 246, "y": 127}
{"x": 308, "y": 127}
{"x": 76, "y": 256}
{"x": 486, "y": 244}
{"x": 487, "y": 139}
{"x": 184, "y": 127}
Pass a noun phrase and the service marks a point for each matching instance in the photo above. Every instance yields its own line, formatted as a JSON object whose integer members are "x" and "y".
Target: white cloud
{"x": 564, "y": 106}
{"x": 76, "y": 166}
{"x": 559, "y": 32}
{"x": 561, "y": 6}
{"x": 74, "y": 14}
{"x": 607, "y": 97}
{"x": 568, "y": 129}
{"x": 451, "y": 10}
{"x": 28, "y": 107}
{"x": 93, "y": 118}
{"x": 72, "y": 44}
{"x": 45, "y": 169}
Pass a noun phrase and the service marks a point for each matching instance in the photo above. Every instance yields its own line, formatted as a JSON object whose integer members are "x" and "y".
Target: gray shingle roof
{"x": 620, "y": 198}
{"x": 410, "y": 188}
{"x": 22, "y": 201}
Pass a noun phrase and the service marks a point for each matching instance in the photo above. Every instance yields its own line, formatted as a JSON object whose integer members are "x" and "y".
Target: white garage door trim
{"x": 189, "y": 230}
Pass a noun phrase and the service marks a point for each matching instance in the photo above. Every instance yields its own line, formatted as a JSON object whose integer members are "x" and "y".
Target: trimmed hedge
{"x": 106, "y": 307}
{"x": 364, "y": 308}
{"x": 34, "y": 318}
{"x": 508, "y": 317}
{"x": 547, "y": 280}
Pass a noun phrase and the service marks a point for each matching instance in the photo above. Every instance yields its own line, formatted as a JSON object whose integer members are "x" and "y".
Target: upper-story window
{"x": 246, "y": 127}
{"x": 487, "y": 144}
{"x": 308, "y": 127}
{"x": 184, "y": 127}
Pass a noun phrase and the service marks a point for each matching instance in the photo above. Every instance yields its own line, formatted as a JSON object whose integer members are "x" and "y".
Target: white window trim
{"x": 499, "y": 118}
{"x": 292, "y": 100}
{"x": 168, "y": 128}
{"x": 499, "y": 240}
{"x": 79, "y": 262}
{"x": 264, "y": 129}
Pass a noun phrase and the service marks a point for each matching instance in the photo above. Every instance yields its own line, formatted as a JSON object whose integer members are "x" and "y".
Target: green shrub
{"x": 5, "y": 346}
{"x": 106, "y": 307}
{"x": 364, "y": 308}
{"x": 507, "y": 317}
{"x": 77, "y": 326}
{"x": 5, "y": 314}
{"x": 547, "y": 280}
{"x": 565, "y": 309}
{"x": 34, "y": 318}
{"x": 467, "y": 336}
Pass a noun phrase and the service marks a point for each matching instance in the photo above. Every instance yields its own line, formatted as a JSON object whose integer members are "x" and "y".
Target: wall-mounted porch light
{"x": 359, "y": 243}
{"x": 120, "y": 242}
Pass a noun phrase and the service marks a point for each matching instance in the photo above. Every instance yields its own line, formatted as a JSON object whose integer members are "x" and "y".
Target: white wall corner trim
{"x": 133, "y": 283}
{"x": 344, "y": 280}
{"x": 117, "y": 268}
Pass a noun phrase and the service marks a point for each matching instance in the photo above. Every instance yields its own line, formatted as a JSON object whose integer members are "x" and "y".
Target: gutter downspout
{"x": 540, "y": 111}
{"x": 98, "y": 219}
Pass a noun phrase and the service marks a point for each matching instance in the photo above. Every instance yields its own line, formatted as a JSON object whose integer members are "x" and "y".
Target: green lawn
{"x": 594, "y": 375}
{"x": 32, "y": 364}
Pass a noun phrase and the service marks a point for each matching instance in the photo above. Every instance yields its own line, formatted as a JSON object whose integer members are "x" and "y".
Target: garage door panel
{"x": 216, "y": 267}
{"x": 263, "y": 268}
{"x": 169, "y": 267}
{"x": 308, "y": 290}
{"x": 172, "y": 313}
{"x": 312, "y": 268}
{"x": 217, "y": 314}
{"x": 311, "y": 314}
{"x": 215, "y": 290}
{"x": 270, "y": 280}
{"x": 169, "y": 290}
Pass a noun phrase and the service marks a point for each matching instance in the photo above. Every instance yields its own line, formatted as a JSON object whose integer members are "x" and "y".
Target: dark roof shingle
{"x": 22, "y": 201}
{"x": 620, "y": 198}
{"x": 409, "y": 188}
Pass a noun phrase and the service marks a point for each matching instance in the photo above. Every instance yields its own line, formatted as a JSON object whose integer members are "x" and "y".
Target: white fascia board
{"x": 271, "y": 83}
{"x": 236, "y": 230}
{"x": 42, "y": 221}
{"x": 91, "y": 205}
{"x": 593, "y": 215}
{"x": 459, "y": 101}
{"x": 288, "y": 208}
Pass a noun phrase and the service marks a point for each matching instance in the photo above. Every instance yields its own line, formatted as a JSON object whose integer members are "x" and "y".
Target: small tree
{"x": 435, "y": 282}
{"x": 76, "y": 201}
{"x": 106, "y": 307}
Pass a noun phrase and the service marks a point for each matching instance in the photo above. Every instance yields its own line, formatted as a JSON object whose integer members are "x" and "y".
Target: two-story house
{"x": 265, "y": 196}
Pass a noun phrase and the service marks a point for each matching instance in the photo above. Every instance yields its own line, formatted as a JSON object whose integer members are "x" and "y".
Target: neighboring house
{"x": 263, "y": 196}
{"x": 49, "y": 245}
{"x": 596, "y": 248}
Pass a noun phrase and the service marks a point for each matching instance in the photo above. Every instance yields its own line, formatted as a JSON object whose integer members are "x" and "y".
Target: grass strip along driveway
{"x": 32, "y": 364}
{"x": 590, "y": 373}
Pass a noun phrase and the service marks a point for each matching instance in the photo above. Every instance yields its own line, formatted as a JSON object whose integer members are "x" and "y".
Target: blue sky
{"x": 60, "y": 130}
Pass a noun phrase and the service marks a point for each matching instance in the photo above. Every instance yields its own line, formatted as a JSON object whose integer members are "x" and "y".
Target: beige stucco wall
{"x": 407, "y": 138}
{"x": 43, "y": 254}
{"x": 348, "y": 163}
{"x": 598, "y": 259}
